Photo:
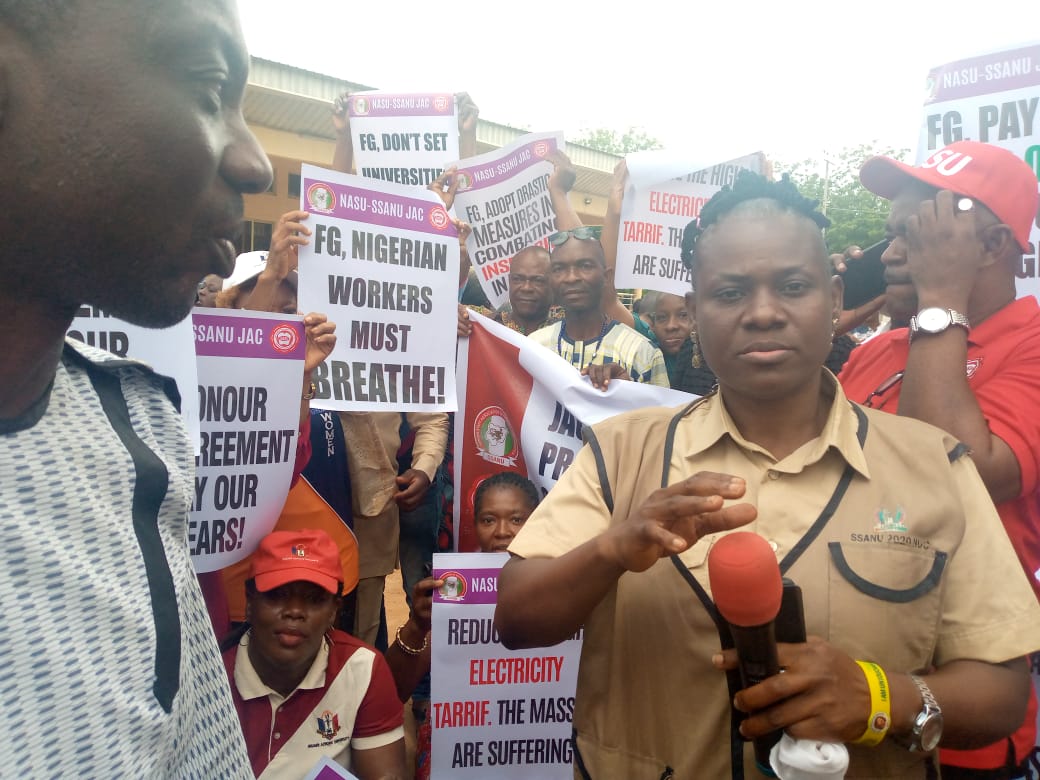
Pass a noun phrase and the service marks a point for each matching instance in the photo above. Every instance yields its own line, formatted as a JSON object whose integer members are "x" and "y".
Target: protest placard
{"x": 250, "y": 367}
{"x": 655, "y": 212}
{"x": 992, "y": 98}
{"x": 494, "y": 712}
{"x": 327, "y": 769}
{"x": 383, "y": 264}
{"x": 169, "y": 351}
{"x": 504, "y": 196}
{"x": 403, "y": 138}
{"x": 527, "y": 414}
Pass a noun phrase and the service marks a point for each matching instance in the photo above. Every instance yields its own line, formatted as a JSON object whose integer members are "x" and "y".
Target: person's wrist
{"x": 906, "y": 704}
{"x": 412, "y": 645}
{"x": 609, "y": 549}
{"x": 879, "y": 718}
{"x": 418, "y": 627}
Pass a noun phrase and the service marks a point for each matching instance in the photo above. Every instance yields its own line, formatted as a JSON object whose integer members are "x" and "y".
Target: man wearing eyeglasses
{"x": 970, "y": 360}
{"x": 586, "y": 337}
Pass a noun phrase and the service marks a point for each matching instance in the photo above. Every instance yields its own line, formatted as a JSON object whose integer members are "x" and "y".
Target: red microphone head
{"x": 745, "y": 579}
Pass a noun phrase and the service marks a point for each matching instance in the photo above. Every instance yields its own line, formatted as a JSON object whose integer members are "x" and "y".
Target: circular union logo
{"x": 541, "y": 148}
{"x": 360, "y": 105}
{"x": 454, "y": 587}
{"x": 321, "y": 197}
{"x": 465, "y": 181}
{"x": 493, "y": 434}
{"x": 439, "y": 218}
{"x": 441, "y": 103}
{"x": 284, "y": 338}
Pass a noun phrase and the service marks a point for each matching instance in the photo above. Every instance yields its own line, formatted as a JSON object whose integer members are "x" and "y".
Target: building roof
{"x": 294, "y": 100}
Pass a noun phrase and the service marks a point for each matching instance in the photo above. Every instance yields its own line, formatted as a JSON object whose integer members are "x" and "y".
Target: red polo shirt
{"x": 1004, "y": 373}
{"x": 1003, "y": 370}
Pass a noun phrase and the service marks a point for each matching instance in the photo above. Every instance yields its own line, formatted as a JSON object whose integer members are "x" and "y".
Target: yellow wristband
{"x": 880, "y": 705}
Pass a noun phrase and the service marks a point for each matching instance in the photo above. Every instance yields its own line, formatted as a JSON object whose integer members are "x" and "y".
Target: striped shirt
{"x": 617, "y": 344}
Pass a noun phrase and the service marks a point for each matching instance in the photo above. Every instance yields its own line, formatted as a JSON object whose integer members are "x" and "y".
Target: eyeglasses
{"x": 883, "y": 388}
{"x": 585, "y": 232}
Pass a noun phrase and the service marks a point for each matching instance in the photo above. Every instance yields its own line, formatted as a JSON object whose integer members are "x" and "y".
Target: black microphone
{"x": 747, "y": 589}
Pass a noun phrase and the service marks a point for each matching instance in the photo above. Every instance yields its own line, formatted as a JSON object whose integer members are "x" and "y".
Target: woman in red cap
{"x": 305, "y": 691}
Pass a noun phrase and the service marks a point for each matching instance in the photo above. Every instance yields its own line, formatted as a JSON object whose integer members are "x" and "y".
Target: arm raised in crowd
{"x": 560, "y": 183}
{"x": 343, "y": 156}
{"x": 321, "y": 340}
{"x": 468, "y": 116}
{"x": 945, "y": 253}
{"x": 609, "y": 240}
{"x": 445, "y": 186}
{"x": 282, "y": 259}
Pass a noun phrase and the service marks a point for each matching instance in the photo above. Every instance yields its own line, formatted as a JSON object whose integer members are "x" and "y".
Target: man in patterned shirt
{"x": 125, "y": 156}
{"x": 587, "y": 337}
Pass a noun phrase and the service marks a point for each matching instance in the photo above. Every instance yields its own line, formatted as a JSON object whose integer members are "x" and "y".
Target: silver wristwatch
{"x": 935, "y": 320}
{"x": 928, "y": 725}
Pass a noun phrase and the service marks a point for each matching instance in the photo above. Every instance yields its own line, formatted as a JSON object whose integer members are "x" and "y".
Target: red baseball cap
{"x": 290, "y": 556}
{"x": 993, "y": 176}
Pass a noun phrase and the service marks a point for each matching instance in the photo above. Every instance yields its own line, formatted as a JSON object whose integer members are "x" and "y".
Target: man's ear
{"x": 998, "y": 242}
{"x": 838, "y": 291}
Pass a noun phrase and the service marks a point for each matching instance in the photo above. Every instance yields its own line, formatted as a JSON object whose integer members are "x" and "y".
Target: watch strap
{"x": 956, "y": 318}
{"x": 930, "y": 709}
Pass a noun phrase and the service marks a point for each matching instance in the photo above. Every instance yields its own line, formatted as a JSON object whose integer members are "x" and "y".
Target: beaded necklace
{"x": 607, "y": 325}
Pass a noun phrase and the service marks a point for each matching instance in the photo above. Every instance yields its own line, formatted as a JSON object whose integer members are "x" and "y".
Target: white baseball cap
{"x": 247, "y": 266}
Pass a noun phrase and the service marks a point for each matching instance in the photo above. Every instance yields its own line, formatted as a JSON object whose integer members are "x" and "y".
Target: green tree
{"x": 858, "y": 216}
{"x": 635, "y": 139}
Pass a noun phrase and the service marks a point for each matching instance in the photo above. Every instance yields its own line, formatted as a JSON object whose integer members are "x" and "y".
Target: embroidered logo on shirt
{"x": 890, "y": 529}
{"x": 328, "y": 724}
{"x": 972, "y": 366}
{"x": 889, "y": 523}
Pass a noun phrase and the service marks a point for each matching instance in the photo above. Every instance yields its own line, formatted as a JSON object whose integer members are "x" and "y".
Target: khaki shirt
{"x": 896, "y": 574}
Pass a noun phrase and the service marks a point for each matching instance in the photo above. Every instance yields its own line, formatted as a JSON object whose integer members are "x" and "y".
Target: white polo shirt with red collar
{"x": 347, "y": 701}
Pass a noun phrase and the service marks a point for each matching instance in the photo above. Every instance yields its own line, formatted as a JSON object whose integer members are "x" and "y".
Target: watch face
{"x": 933, "y": 319}
{"x": 931, "y": 732}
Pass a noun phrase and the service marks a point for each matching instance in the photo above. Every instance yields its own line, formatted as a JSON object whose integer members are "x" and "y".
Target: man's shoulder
{"x": 546, "y": 335}
{"x": 84, "y": 353}
{"x": 915, "y": 434}
{"x": 1019, "y": 320}
{"x": 140, "y": 374}
{"x": 624, "y": 334}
